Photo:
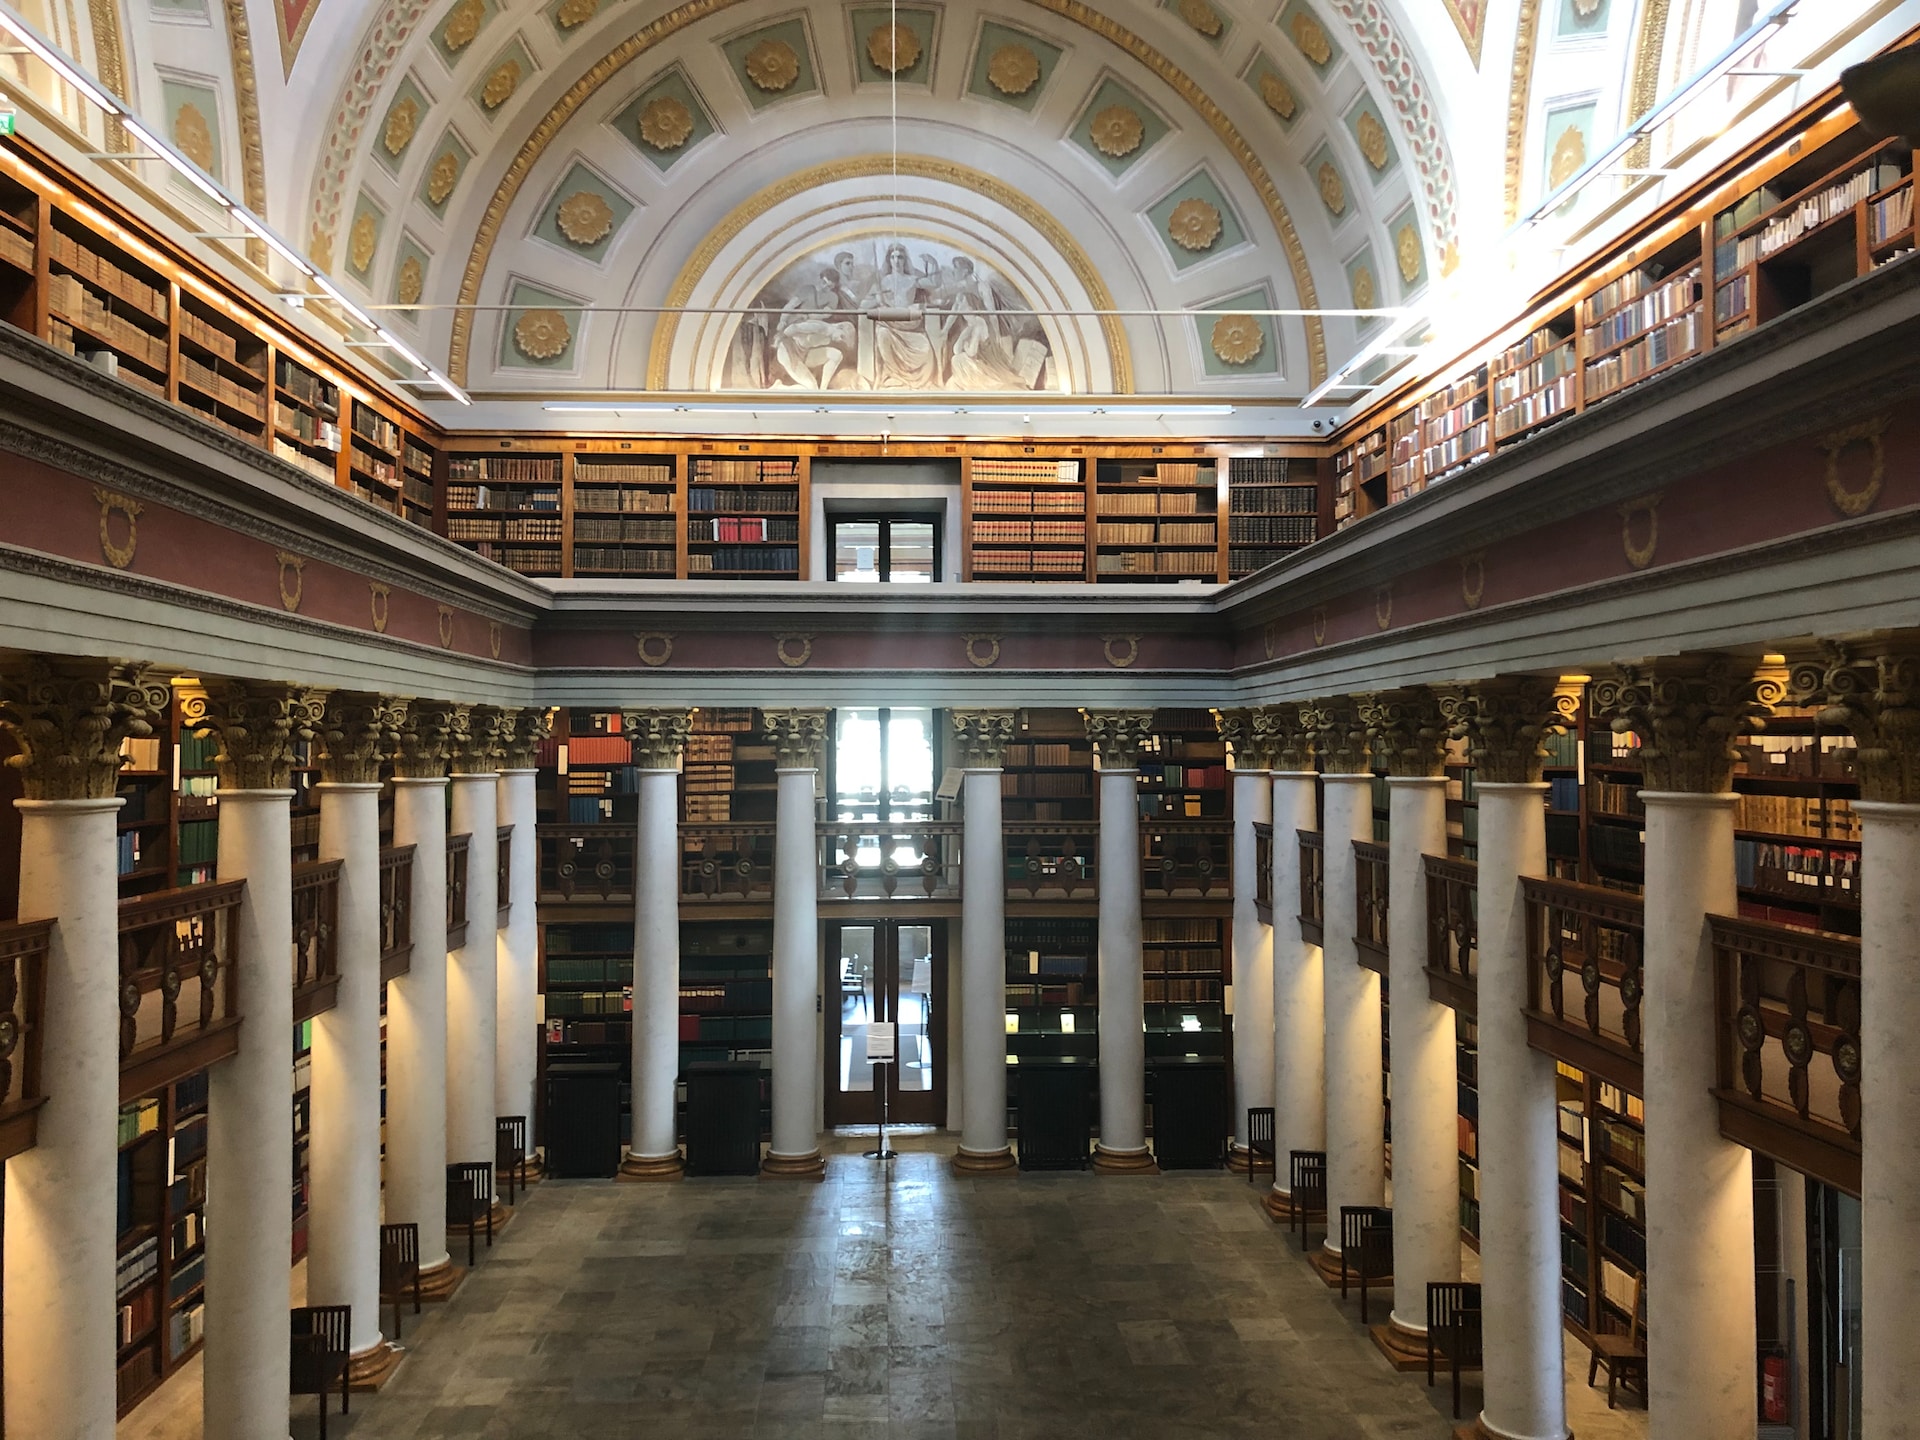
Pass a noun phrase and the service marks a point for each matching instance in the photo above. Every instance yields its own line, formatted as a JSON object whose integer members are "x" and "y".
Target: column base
{"x": 1124, "y": 1162}
{"x": 1239, "y": 1158}
{"x": 502, "y": 1214}
{"x": 374, "y": 1366}
{"x": 642, "y": 1168}
{"x": 810, "y": 1166}
{"x": 531, "y": 1171}
{"x": 1329, "y": 1264}
{"x": 1279, "y": 1206}
{"x": 985, "y": 1162}
{"x": 436, "y": 1284}
{"x": 1478, "y": 1429}
{"x": 1405, "y": 1349}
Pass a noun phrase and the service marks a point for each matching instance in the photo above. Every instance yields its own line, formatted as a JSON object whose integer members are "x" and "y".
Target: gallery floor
{"x": 914, "y": 1305}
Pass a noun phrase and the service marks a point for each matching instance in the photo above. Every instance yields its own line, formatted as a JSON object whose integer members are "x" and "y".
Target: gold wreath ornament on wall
{"x": 1116, "y": 131}
{"x": 654, "y": 648}
{"x": 772, "y": 65}
{"x": 293, "y": 578}
{"x": 1382, "y": 606}
{"x": 1194, "y": 224}
{"x": 584, "y": 218}
{"x": 194, "y": 136}
{"x": 1332, "y": 193}
{"x": 380, "y": 600}
{"x": 794, "y": 650}
{"x": 463, "y": 24}
{"x": 1278, "y": 95}
{"x": 1237, "y": 339}
{"x": 541, "y": 334}
{"x": 576, "y": 12}
{"x": 1319, "y": 624}
{"x": 1121, "y": 650}
{"x": 1406, "y": 252}
{"x": 402, "y": 121}
{"x": 443, "y": 177}
{"x": 1202, "y": 17}
{"x": 412, "y": 281}
{"x": 446, "y": 627}
{"x": 1311, "y": 39}
{"x": 362, "y": 239}
{"x": 501, "y": 84}
{"x": 1473, "y": 579}
{"x": 893, "y": 49}
{"x": 118, "y": 553}
{"x": 1640, "y": 552}
{"x": 494, "y": 637}
{"x": 1836, "y": 443}
{"x": 1372, "y": 136}
{"x": 1013, "y": 69}
{"x": 665, "y": 123}
{"x": 982, "y": 650}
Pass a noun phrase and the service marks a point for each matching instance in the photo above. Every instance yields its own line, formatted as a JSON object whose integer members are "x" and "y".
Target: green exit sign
{"x": 6, "y": 122}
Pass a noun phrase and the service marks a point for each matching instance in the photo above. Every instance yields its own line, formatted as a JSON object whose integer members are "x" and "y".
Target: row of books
{"x": 1540, "y": 342}
{"x": 1059, "y": 472}
{"x": 632, "y": 502}
{"x": 1180, "y": 932}
{"x": 1255, "y": 470}
{"x": 1051, "y": 787}
{"x": 1466, "y": 446}
{"x": 305, "y": 386}
{"x": 461, "y": 527}
{"x": 774, "y": 500}
{"x": 1563, "y": 792}
{"x": 1185, "y": 959}
{"x": 138, "y": 1266}
{"x": 103, "y": 271}
{"x": 1813, "y": 212}
{"x": 1179, "y": 472}
{"x": 1180, "y": 992}
{"x": 623, "y": 562}
{"x": 754, "y": 994}
{"x": 306, "y": 427}
{"x": 1197, "y": 563}
{"x": 505, "y": 470}
{"x": 772, "y": 559}
{"x": 1165, "y": 503}
{"x": 1062, "y": 564}
{"x": 1610, "y": 797}
{"x": 1832, "y": 818}
{"x": 595, "y": 531}
{"x": 299, "y": 459}
{"x": 526, "y": 561}
{"x": 590, "y": 1002}
{"x": 1460, "y": 418}
{"x": 1617, "y": 1140}
{"x": 1534, "y": 409}
{"x": 1890, "y": 216}
{"x": 1623, "y": 1193}
{"x": 132, "y": 847}
{"x": 1025, "y": 532}
{"x": 186, "y": 1327}
{"x": 1520, "y": 377}
{"x": 746, "y": 472}
{"x": 497, "y": 497}
{"x": 1029, "y": 502}
{"x": 1246, "y": 562}
{"x": 751, "y": 530}
{"x": 1797, "y": 869}
{"x": 1273, "y": 500}
{"x": 1674, "y": 341}
{"x": 371, "y": 425}
{"x": 1800, "y": 757}
{"x": 1185, "y": 533}
{"x": 1046, "y": 752}
{"x": 619, "y": 472}
{"x": 1271, "y": 529}
{"x": 1458, "y": 393}
{"x": 727, "y": 1029}
{"x": 1670, "y": 299}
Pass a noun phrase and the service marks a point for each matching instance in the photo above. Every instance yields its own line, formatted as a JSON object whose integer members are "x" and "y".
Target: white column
{"x": 1700, "y": 1289}
{"x": 343, "y": 1153}
{"x": 983, "y": 978}
{"x": 1299, "y": 993}
{"x": 1525, "y": 1369}
{"x": 654, "y": 1151}
{"x": 797, "y": 1022}
{"x": 1123, "y": 1042}
{"x": 250, "y": 1135}
{"x": 1253, "y": 1032}
{"x": 1356, "y": 1155}
{"x": 417, "y": 1035}
{"x": 1890, "y": 1117}
{"x": 517, "y": 956}
{"x": 60, "y": 1195}
{"x": 472, "y": 990}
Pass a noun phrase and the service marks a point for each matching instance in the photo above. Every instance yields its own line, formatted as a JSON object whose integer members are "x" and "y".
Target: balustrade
{"x": 396, "y": 911}
{"x": 457, "y": 850}
{"x": 503, "y": 872}
{"x": 1313, "y": 885}
{"x": 586, "y": 860}
{"x": 1788, "y": 1042}
{"x": 1591, "y": 938}
{"x": 1263, "y": 871}
{"x": 726, "y": 862}
{"x": 1370, "y": 904}
{"x": 316, "y": 937}
{"x": 1055, "y": 861}
{"x": 1187, "y": 857}
{"x": 23, "y": 974}
{"x": 1453, "y": 933}
{"x": 862, "y": 862}
{"x": 179, "y": 1002}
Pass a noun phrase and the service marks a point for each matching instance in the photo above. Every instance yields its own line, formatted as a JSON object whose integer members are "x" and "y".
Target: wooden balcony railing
{"x": 1453, "y": 933}
{"x": 726, "y": 862}
{"x": 1263, "y": 871}
{"x": 179, "y": 1004}
{"x": 1370, "y": 904}
{"x": 1186, "y": 857}
{"x": 1313, "y": 885}
{"x": 920, "y": 858}
{"x": 396, "y": 911}
{"x": 457, "y": 850}
{"x": 1584, "y": 977}
{"x": 503, "y": 872}
{"x": 1788, "y": 1041}
{"x": 316, "y": 937}
{"x": 581, "y": 861}
{"x": 1054, "y": 861}
{"x": 23, "y": 979}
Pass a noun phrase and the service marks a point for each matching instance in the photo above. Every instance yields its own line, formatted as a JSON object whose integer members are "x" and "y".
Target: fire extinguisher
{"x": 1773, "y": 1387}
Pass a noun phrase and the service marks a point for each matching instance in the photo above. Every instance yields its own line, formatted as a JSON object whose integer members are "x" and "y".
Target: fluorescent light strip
{"x": 178, "y": 162}
{"x": 883, "y": 412}
{"x": 42, "y": 50}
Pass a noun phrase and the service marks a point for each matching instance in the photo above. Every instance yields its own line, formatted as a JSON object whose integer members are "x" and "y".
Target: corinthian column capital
{"x": 1688, "y": 713}
{"x": 477, "y": 738}
{"x": 1251, "y": 747}
{"x": 1406, "y": 729}
{"x": 1339, "y": 734}
{"x": 1506, "y": 721}
{"x": 799, "y": 737}
{"x": 257, "y": 723}
{"x": 1281, "y": 730}
{"x": 1118, "y": 735}
{"x": 658, "y": 737}
{"x": 423, "y": 740}
{"x": 357, "y": 733}
{"x": 1872, "y": 693}
{"x": 520, "y": 741}
{"x": 981, "y": 737}
{"x": 69, "y": 716}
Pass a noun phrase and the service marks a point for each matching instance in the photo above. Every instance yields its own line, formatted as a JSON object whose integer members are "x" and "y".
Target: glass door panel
{"x": 892, "y": 972}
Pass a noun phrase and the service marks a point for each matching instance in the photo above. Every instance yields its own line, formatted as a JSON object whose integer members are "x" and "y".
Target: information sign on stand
{"x": 879, "y": 1053}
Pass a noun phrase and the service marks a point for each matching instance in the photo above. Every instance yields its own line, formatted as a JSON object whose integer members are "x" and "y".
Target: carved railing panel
{"x": 316, "y": 937}
{"x": 23, "y": 979}
{"x": 1788, "y": 1045}
{"x": 586, "y": 861}
{"x": 1370, "y": 904}
{"x": 726, "y": 862}
{"x": 179, "y": 1001}
{"x": 1051, "y": 860}
{"x": 1313, "y": 884}
{"x": 503, "y": 871}
{"x": 1453, "y": 933}
{"x": 1186, "y": 857}
{"x": 1585, "y": 983}
{"x": 396, "y": 910}
{"x": 918, "y": 858}
{"x": 1263, "y": 870}
{"x": 458, "y": 848}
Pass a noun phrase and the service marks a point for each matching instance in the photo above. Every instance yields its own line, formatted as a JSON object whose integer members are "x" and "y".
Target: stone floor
{"x": 909, "y": 1304}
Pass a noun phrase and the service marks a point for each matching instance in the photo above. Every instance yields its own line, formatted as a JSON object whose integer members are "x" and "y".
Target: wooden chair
{"x": 320, "y": 1340}
{"x": 510, "y": 1153}
{"x": 1453, "y": 1330}
{"x": 1366, "y": 1249}
{"x": 470, "y": 1201}
{"x": 1259, "y": 1140}
{"x": 1307, "y": 1176}
{"x": 1625, "y": 1356}
{"x": 399, "y": 1267}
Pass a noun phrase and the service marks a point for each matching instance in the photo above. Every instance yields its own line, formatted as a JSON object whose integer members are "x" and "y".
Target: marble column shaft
{"x": 517, "y": 956}
{"x": 1299, "y": 986}
{"x": 417, "y": 1029}
{"x": 1253, "y": 1016}
{"x": 472, "y": 986}
{"x": 1355, "y": 1094}
{"x": 983, "y": 969}
{"x": 1123, "y": 1042}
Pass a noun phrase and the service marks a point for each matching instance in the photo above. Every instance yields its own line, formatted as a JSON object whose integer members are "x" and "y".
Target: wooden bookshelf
{"x": 160, "y": 1233}
{"x": 745, "y": 518}
{"x": 196, "y": 808}
{"x": 417, "y": 482}
{"x": 598, "y": 785}
{"x": 107, "y": 307}
{"x": 1537, "y": 381}
{"x": 1603, "y": 1241}
{"x": 1273, "y": 509}
{"x": 302, "y": 1130}
{"x": 1466, "y": 1044}
{"x": 1183, "y": 768}
{"x": 145, "y": 821}
{"x": 624, "y": 515}
{"x": 1025, "y": 518}
{"x": 726, "y": 992}
{"x": 375, "y": 469}
{"x": 222, "y": 370}
{"x": 586, "y": 979}
{"x": 1454, "y": 427}
{"x": 1643, "y": 322}
{"x": 727, "y": 774}
{"x": 1184, "y": 975}
{"x": 1157, "y": 521}
{"x": 1048, "y": 774}
{"x": 306, "y": 419}
{"x": 507, "y": 508}
{"x": 1359, "y": 478}
{"x": 1052, "y": 988}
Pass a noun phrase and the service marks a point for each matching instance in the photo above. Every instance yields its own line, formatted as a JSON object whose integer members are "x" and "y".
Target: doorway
{"x": 890, "y": 972}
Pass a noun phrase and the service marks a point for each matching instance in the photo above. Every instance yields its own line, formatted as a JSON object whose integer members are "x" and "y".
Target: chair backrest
{"x": 474, "y": 1178}
{"x": 1307, "y": 1175}
{"x": 1357, "y": 1222}
{"x": 317, "y": 1347}
{"x": 331, "y": 1324}
{"x": 1260, "y": 1127}
{"x": 509, "y": 1140}
{"x": 1376, "y": 1242}
{"x": 399, "y": 1253}
{"x": 1453, "y": 1306}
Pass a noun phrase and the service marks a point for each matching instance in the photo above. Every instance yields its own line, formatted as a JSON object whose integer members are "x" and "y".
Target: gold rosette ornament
{"x": 1278, "y": 95}
{"x": 772, "y": 65}
{"x": 442, "y": 178}
{"x": 665, "y": 123}
{"x": 1364, "y": 293}
{"x": 402, "y": 121}
{"x": 192, "y": 134}
{"x": 413, "y": 279}
{"x": 463, "y": 24}
{"x": 501, "y": 84}
{"x": 584, "y": 218}
{"x": 1013, "y": 69}
{"x": 1331, "y": 190}
{"x": 541, "y": 334}
{"x": 1237, "y": 339}
{"x": 1406, "y": 250}
{"x": 361, "y": 240}
{"x": 1202, "y": 17}
{"x": 1373, "y": 139}
{"x": 1569, "y": 154}
{"x": 1194, "y": 224}
{"x": 1311, "y": 39}
{"x": 1116, "y": 131}
{"x": 576, "y": 12}
{"x": 893, "y": 49}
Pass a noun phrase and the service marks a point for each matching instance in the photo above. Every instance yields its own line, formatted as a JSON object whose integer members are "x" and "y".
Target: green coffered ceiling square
{"x": 1195, "y": 222}
{"x": 1370, "y": 133}
{"x": 410, "y": 273}
{"x": 1117, "y": 127}
{"x": 1363, "y": 285}
{"x": 1238, "y": 342}
{"x": 503, "y": 76}
{"x": 911, "y": 56}
{"x": 583, "y": 214}
{"x": 540, "y": 331}
{"x": 363, "y": 236}
{"x": 402, "y": 124}
{"x": 1310, "y": 34}
{"x": 449, "y": 163}
{"x": 461, "y": 26}
{"x": 1409, "y": 253}
{"x": 1204, "y": 17}
{"x": 193, "y": 124}
{"x": 1276, "y": 92}
{"x": 665, "y": 120}
{"x": 773, "y": 63}
{"x": 569, "y": 15}
{"x": 1328, "y": 180}
{"x": 1011, "y": 66}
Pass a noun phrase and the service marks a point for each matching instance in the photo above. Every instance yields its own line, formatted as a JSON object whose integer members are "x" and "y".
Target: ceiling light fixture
{"x": 882, "y": 411}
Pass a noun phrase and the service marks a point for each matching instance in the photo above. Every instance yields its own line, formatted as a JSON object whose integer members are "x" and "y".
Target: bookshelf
{"x": 727, "y": 773}
{"x": 726, "y": 992}
{"x": 1183, "y": 768}
{"x": 1026, "y": 519}
{"x": 744, "y": 518}
{"x": 1463, "y": 809}
{"x": 1642, "y": 322}
{"x": 145, "y": 821}
{"x": 306, "y": 420}
{"x": 1536, "y": 381}
{"x": 1360, "y": 478}
{"x": 1466, "y": 1039}
{"x": 222, "y": 372}
{"x": 1048, "y": 771}
{"x": 196, "y": 807}
{"x": 302, "y": 1128}
{"x": 416, "y": 480}
{"x": 506, "y": 508}
{"x": 107, "y": 307}
{"x": 1454, "y": 427}
{"x": 1052, "y": 994}
{"x": 625, "y": 515}
{"x": 1273, "y": 509}
{"x": 1603, "y": 1239}
{"x": 586, "y": 978}
{"x": 1157, "y": 520}
{"x": 1184, "y": 976}
{"x": 303, "y": 818}
{"x": 19, "y": 252}
{"x": 374, "y": 466}
{"x": 1564, "y": 771}
{"x": 160, "y": 1236}
{"x": 595, "y": 784}
{"x": 1405, "y": 475}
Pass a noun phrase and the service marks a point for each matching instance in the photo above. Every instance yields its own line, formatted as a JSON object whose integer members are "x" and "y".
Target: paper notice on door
{"x": 880, "y": 1040}
{"x": 920, "y": 978}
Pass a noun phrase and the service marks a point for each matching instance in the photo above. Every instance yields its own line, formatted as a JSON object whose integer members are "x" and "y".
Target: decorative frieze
{"x": 68, "y": 718}
{"x": 1118, "y": 735}
{"x": 980, "y": 737}
{"x": 1406, "y": 729}
{"x": 1286, "y": 737}
{"x": 521, "y": 740}
{"x": 1874, "y": 697}
{"x": 424, "y": 739}
{"x": 257, "y": 724}
{"x": 1689, "y": 714}
{"x": 1506, "y": 721}
{"x": 799, "y": 737}
{"x": 1339, "y": 735}
{"x": 658, "y": 737}
{"x": 357, "y": 733}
